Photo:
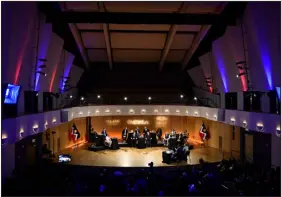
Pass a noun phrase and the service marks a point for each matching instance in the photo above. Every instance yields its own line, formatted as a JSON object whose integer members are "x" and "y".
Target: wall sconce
{"x": 207, "y": 115}
{"x": 107, "y": 111}
{"x": 232, "y": 120}
{"x": 196, "y": 113}
{"x": 278, "y": 131}
{"x": 54, "y": 120}
{"x": 215, "y": 117}
{"x": 131, "y": 111}
{"x": 35, "y": 128}
{"x": 21, "y": 133}
{"x": 89, "y": 113}
{"x": 118, "y": 111}
{"x": 143, "y": 111}
{"x": 244, "y": 124}
{"x": 177, "y": 111}
{"x": 4, "y": 139}
{"x": 156, "y": 111}
{"x": 46, "y": 125}
{"x": 186, "y": 111}
{"x": 80, "y": 113}
{"x": 72, "y": 115}
{"x": 167, "y": 110}
{"x": 97, "y": 111}
{"x": 260, "y": 126}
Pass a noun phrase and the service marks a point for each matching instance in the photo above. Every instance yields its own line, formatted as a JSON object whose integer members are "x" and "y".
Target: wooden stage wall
{"x": 115, "y": 124}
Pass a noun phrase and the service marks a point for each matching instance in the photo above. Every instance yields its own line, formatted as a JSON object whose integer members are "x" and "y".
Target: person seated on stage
{"x": 148, "y": 139}
{"x": 145, "y": 130}
{"x": 173, "y": 133}
{"x": 108, "y": 141}
{"x": 137, "y": 132}
{"x": 103, "y": 132}
{"x": 166, "y": 139}
{"x": 159, "y": 134}
{"x": 125, "y": 134}
{"x": 134, "y": 139}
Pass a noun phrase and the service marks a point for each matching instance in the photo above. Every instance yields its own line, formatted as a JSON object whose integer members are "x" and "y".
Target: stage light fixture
{"x": 240, "y": 74}
{"x": 70, "y": 96}
{"x": 195, "y": 98}
{"x": 98, "y": 96}
{"x": 149, "y": 98}
{"x": 181, "y": 96}
{"x": 37, "y": 94}
{"x": 260, "y": 126}
{"x": 4, "y": 139}
{"x": 241, "y": 62}
{"x": 42, "y": 73}
{"x": 125, "y": 98}
{"x": 82, "y": 98}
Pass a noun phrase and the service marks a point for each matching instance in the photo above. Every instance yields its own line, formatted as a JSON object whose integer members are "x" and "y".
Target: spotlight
{"x": 70, "y": 96}
{"x": 195, "y": 98}
{"x": 42, "y": 73}
{"x": 37, "y": 94}
{"x": 149, "y": 98}
{"x": 82, "y": 98}
{"x": 98, "y": 96}
{"x": 181, "y": 96}
{"x": 45, "y": 74}
{"x": 240, "y": 74}
{"x": 232, "y": 120}
{"x": 125, "y": 98}
{"x": 244, "y": 124}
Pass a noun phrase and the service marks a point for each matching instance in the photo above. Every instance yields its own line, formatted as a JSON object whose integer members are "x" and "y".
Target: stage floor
{"x": 133, "y": 157}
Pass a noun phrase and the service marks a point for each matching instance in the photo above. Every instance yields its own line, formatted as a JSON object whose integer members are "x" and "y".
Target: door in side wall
{"x": 249, "y": 147}
{"x": 220, "y": 143}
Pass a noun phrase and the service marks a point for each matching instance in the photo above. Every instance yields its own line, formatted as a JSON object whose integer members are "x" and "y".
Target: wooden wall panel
{"x": 115, "y": 124}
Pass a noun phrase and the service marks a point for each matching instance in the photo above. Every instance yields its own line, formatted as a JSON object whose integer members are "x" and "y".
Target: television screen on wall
{"x": 278, "y": 92}
{"x": 11, "y": 94}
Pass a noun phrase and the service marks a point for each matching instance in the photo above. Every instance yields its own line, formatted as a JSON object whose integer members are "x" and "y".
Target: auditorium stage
{"x": 133, "y": 157}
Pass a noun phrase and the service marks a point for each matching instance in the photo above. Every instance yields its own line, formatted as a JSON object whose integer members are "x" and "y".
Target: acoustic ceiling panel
{"x": 93, "y": 39}
{"x": 195, "y": 28}
{"x": 89, "y": 26}
{"x": 141, "y": 27}
{"x": 175, "y": 55}
{"x": 120, "y": 55}
{"x": 138, "y": 6}
{"x": 81, "y": 6}
{"x": 201, "y": 7}
{"x": 97, "y": 55}
{"x": 182, "y": 41}
{"x": 138, "y": 40}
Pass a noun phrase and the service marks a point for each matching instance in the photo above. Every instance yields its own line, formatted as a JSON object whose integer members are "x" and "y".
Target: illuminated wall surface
{"x": 261, "y": 36}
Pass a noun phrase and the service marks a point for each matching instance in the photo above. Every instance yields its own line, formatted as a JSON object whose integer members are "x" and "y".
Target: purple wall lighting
{"x": 220, "y": 63}
{"x": 45, "y": 36}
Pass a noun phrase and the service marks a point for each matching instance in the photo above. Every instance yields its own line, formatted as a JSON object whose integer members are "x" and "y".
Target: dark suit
{"x": 137, "y": 133}
{"x": 104, "y": 133}
{"x": 124, "y": 134}
{"x": 145, "y": 131}
{"x": 134, "y": 139}
{"x": 148, "y": 139}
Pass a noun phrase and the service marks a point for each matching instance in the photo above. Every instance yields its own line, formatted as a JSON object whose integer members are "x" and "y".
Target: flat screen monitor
{"x": 278, "y": 92}
{"x": 64, "y": 158}
{"x": 11, "y": 94}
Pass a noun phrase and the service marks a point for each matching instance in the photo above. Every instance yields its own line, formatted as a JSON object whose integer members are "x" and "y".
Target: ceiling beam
{"x": 107, "y": 37}
{"x": 78, "y": 39}
{"x": 200, "y": 36}
{"x": 170, "y": 38}
{"x": 139, "y": 18}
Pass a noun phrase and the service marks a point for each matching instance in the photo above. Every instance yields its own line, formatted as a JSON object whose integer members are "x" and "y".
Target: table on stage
{"x": 141, "y": 143}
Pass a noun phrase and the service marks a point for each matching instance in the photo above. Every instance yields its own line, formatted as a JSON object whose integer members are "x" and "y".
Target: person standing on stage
{"x": 166, "y": 139}
{"x": 137, "y": 132}
{"x": 103, "y": 132}
{"x": 134, "y": 139}
{"x": 148, "y": 139}
{"x": 145, "y": 130}
{"x": 125, "y": 134}
{"x": 159, "y": 134}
